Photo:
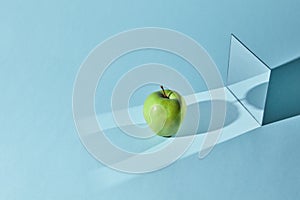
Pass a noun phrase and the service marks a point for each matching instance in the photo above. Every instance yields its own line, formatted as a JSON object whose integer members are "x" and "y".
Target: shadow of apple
{"x": 204, "y": 107}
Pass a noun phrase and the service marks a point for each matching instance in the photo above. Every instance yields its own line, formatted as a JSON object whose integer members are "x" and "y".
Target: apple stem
{"x": 164, "y": 93}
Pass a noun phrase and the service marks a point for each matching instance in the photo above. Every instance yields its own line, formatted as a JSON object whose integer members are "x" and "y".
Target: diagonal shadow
{"x": 263, "y": 160}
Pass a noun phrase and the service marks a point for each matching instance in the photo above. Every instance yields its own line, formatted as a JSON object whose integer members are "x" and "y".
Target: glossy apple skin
{"x": 164, "y": 115}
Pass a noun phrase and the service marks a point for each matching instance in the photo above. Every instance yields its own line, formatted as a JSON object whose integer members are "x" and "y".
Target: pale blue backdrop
{"x": 43, "y": 43}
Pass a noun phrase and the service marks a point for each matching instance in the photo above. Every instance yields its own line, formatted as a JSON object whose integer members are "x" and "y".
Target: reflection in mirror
{"x": 248, "y": 78}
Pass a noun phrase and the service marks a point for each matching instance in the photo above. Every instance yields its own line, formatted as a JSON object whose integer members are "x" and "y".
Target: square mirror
{"x": 248, "y": 78}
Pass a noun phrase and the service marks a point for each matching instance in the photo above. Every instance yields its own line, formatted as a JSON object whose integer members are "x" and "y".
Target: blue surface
{"x": 42, "y": 45}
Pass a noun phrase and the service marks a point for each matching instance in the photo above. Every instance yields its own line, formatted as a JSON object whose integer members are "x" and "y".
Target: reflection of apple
{"x": 164, "y": 111}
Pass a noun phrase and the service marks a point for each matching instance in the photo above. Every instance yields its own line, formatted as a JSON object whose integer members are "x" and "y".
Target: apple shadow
{"x": 129, "y": 143}
{"x": 204, "y": 107}
{"x": 256, "y": 95}
{"x": 138, "y": 145}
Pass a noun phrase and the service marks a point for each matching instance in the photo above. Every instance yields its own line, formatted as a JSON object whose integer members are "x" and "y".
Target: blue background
{"x": 43, "y": 43}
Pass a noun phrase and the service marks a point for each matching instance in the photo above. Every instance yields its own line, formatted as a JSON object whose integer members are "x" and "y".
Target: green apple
{"x": 164, "y": 111}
